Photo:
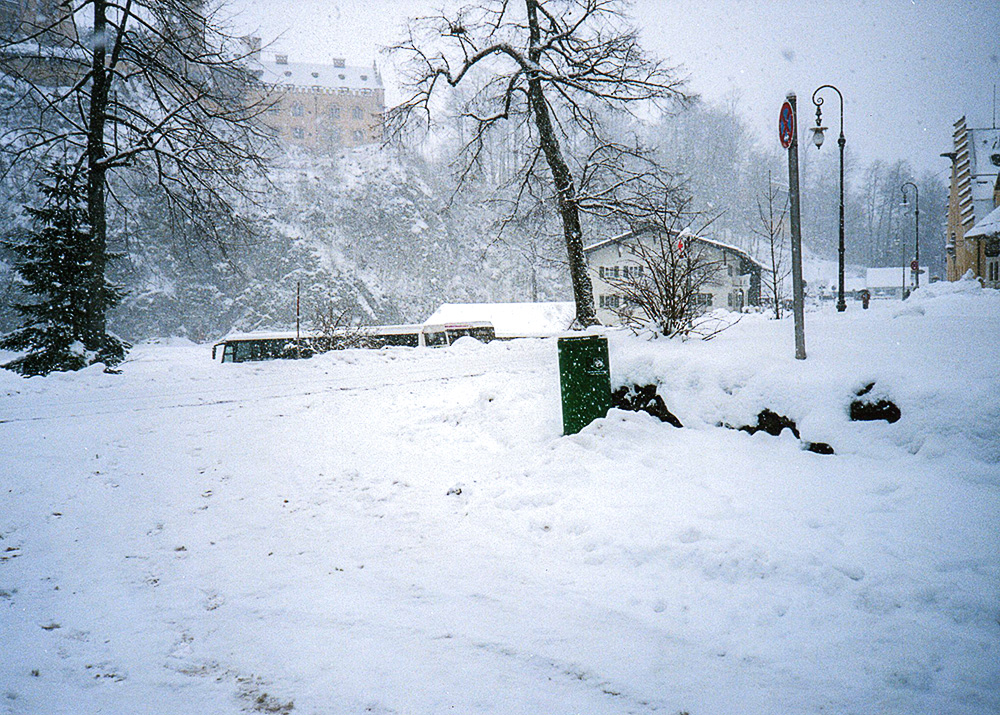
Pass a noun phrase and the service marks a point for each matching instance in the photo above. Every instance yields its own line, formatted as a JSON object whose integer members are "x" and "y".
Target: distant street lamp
{"x": 916, "y": 223}
{"x": 841, "y": 141}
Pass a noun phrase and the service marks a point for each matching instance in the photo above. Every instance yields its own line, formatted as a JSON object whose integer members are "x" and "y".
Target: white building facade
{"x": 734, "y": 285}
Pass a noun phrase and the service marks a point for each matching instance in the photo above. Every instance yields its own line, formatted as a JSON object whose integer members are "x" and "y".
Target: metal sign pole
{"x": 788, "y": 133}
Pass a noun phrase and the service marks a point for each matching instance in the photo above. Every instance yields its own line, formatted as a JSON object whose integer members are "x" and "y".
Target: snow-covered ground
{"x": 406, "y": 531}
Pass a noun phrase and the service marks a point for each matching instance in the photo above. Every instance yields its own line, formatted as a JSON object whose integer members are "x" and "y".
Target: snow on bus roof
{"x": 290, "y": 334}
{"x": 510, "y": 319}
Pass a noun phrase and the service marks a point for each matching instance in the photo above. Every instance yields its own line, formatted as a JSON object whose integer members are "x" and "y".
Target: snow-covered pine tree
{"x": 55, "y": 264}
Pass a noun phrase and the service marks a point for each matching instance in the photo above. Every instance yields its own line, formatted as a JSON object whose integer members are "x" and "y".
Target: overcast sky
{"x": 908, "y": 69}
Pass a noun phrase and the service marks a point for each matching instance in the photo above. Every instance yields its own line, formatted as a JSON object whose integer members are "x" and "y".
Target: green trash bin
{"x": 584, "y": 374}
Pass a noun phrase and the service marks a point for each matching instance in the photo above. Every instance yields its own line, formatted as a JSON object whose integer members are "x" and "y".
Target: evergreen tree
{"x": 55, "y": 264}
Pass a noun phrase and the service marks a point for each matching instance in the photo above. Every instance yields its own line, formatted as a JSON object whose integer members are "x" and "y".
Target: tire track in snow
{"x": 241, "y": 400}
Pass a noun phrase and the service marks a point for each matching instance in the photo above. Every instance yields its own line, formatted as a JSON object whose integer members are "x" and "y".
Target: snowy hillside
{"x": 406, "y": 531}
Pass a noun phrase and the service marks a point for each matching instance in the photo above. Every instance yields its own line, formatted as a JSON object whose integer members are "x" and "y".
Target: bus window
{"x": 435, "y": 338}
{"x": 483, "y": 334}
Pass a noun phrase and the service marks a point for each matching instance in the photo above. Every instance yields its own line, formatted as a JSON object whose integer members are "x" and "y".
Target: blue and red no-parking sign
{"x": 786, "y": 125}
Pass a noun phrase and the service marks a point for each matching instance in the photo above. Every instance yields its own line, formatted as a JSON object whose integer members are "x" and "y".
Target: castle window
{"x": 298, "y": 133}
{"x": 358, "y": 113}
{"x": 298, "y": 110}
{"x": 335, "y": 112}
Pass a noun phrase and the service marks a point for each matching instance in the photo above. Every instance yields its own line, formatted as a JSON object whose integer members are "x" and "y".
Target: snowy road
{"x": 290, "y": 536}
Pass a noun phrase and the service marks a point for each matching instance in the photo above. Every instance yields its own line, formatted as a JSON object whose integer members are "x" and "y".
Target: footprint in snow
{"x": 690, "y": 536}
{"x": 213, "y": 600}
{"x": 855, "y": 573}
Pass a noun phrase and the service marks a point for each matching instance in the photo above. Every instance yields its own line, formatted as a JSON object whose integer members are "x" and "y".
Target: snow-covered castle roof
{"x": 279, "y": 72}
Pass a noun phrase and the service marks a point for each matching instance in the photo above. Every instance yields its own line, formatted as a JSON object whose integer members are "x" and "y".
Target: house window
{"x": 600, "y": 272}
{"x": 609, "y": 302}
{"x": 703, "y": 299}
{"x": 994, "y": 271}
{"x": 358, "y": 113}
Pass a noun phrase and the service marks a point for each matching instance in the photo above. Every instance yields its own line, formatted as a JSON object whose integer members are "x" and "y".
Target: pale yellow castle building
{"x": 320, "y": 107}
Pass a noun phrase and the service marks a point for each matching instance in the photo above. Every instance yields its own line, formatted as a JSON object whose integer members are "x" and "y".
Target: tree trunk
{"x": 96, "y": 303}
{"x": 569, "y": 212}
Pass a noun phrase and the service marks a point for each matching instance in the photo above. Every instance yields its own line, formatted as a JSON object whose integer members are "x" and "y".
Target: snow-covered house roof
{"x": 510, "y": 319}
{"x": 278, "y": 72}
{"x": 989, "y": 226}
{"x": 853, "y": 284}
{"x": 891, "y": 277}
{"x": 689, "y": 237}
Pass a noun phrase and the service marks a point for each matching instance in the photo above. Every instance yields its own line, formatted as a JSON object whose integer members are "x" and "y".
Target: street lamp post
{"x": 916, "y": 223}
{"x": 841, "y": 141}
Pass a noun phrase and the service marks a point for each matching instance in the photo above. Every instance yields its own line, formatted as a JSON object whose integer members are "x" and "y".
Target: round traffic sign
{"x": 786, "y": 125}
{"x": 914, "y": 266}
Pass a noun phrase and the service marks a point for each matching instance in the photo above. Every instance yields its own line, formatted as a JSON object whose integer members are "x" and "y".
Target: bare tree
{"x": 336, "y": 328}
{"x": 153, "y": 94}
{"x": 550, "y": 68}
{"x": 771, "y": 212}
{"x": 662, "y": 285}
